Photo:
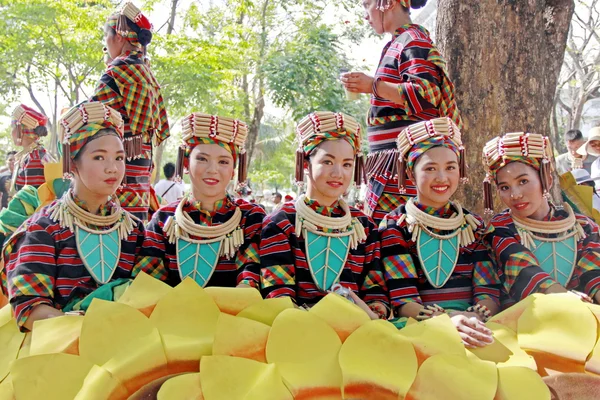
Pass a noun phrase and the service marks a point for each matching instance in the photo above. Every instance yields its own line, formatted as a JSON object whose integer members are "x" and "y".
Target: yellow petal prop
{"x": 593, "y": 362}
{"x": 187, "y": 320}
{"x": 298, "y": 336}
{"x": 233, "y": 300}
{"x": 11, "y": 340}
{"x": 144, "y": 292}
{"x": 241, "y": 337}
{"x": 267, "y": 310}
{"x": 49, "y": 376}
{"x": 182, "y": 387}
{"x": 307, "y": 350}
{"x": 56, "y": 335}
{"x": 505, "y": 350}
{"x": 519, "y": 383}
{"x": 7, "y": 392}
{"x": 99, "y": 384}
{"x": 559, "y": 331}
{"x": 450, "y": 376}
{"x": 511, "y": 315}
{"x": 385, "y": 369}
{"x": 124, "y": 342}
{"x": 434, "y": 336}
{"x": 233, "y": 378}
{"x": 342, "y": 315}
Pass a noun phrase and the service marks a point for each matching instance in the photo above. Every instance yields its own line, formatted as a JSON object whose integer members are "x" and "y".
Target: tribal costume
{"x": 434, "y": 257}
{"x": 533, "y": 255}
{"x": 129, "y": 87}
{"x": 29, "y": 162}
{"x": 226, "y": 238}
{"x": 411, "y": 61}
{"x": 64, "y": 253}
{"x": 307, "y": 247}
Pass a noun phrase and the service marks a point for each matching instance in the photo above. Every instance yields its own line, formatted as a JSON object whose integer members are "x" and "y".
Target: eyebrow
{"x": 209, "y": 155}
{"x": 332, "y": 156}
{"x": 518, "y": 177}
{"x": 436, "y": 163}
{"x": 105, "y": 151}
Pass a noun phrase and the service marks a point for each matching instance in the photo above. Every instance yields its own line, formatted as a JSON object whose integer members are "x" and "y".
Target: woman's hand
{"x": 358, "y": 301}
{"x": 357, "y": 82}
{"x": 472, "y": 331}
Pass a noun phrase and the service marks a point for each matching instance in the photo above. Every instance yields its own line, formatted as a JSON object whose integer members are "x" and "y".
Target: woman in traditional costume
{"x": 411, "y": 85}
{"x": 28, "y": 127}
{"x": 538, "y": 247}
{"x": 129, "y": 87}
{"x": 83, "y": 242}
{"x": 318, "y": 241}
{"x": 432, "y": 255}
{"x": 208, "y": 221}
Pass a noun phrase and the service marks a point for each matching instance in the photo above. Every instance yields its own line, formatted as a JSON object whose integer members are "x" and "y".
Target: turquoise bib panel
{"x": 197, "y": 260}
{"x": 557, "y": 258}
{"x": 99, "y": 253}
{"x": 438, "y": 257}
{"x": 326, "y": 256}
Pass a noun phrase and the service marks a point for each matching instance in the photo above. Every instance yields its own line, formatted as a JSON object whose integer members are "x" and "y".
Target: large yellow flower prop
{"x": 218, "y": 343}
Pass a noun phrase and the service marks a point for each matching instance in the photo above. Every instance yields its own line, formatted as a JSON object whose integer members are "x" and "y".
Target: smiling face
{"x": 211, "y": 169}
{"x": 520, "y": 189}
{"x": 436, "y": 174}
{"x": 99, "y": 167}
{"x": 330, "y": 171}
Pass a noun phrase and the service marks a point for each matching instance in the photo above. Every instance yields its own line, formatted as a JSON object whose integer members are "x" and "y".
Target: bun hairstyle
{"x": 415, "y": 4}
{"x": 144, "y": 37}
{"x": 41, "y": 131}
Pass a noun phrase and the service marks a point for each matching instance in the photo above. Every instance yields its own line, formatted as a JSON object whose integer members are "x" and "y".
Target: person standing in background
{"x": 571, "y": 159}
{"x": 169, "y": 189}
{"x": 5, "y": 177}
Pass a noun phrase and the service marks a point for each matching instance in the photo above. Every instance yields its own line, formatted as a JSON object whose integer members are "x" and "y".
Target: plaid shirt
{"x": 519, "y": 270}
{"x": 411, "y": 61}
{"x": 129, "y": 87}
{"x": 158, "y": 257}
{"x": 46, "y": 268}
{"x": 284, "y": 269}
{"x": 472, "y": 280}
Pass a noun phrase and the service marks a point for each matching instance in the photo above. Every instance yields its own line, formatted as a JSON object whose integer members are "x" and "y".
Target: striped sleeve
{"x": 420, "y": 77}
{"x": 373, "y": 289}
{"x": 400, "y": 271}
{"x": 152, "y": 258}
{"x": 586, "y": 277}
{"x": 31, "y": 272}
{"x": 517, "y": 267}
{"x": 277, "y": 272}
{"x": 32, "y": 172}
{"x": 248, "y": 260}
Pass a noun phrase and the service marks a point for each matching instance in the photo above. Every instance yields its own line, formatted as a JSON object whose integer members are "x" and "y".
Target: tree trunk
{"x": 158, "y": 155}
{"x": 504, "y": 57}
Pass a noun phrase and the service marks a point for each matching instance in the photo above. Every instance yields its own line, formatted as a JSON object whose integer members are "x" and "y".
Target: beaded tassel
{"x": 546, "y": 177}
{"x": 299, "y": 166}
{"x": 488, "y": 199}
{"x": 242, "y": 167}
{"x": 180, "y": 161}
{"x": 462, "y": 165}
{"x": 401, "y": 175}
{"x": 66, "y": 164}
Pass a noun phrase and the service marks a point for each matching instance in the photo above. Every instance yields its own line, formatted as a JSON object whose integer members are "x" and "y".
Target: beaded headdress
{"x": 383, "y": 5}
{"x": 320, "y": 126}
{"x": 131, "y": 30}
{"x": 227, "y": 132}
{"x": 80, "y": 124}
{"x": 416, "y": 139}
{"x": 529, "y": 148}
{"x": 26, "y": 119}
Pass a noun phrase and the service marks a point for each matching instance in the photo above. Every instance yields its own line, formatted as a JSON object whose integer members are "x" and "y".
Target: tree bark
{"x": 504, "y": 57}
